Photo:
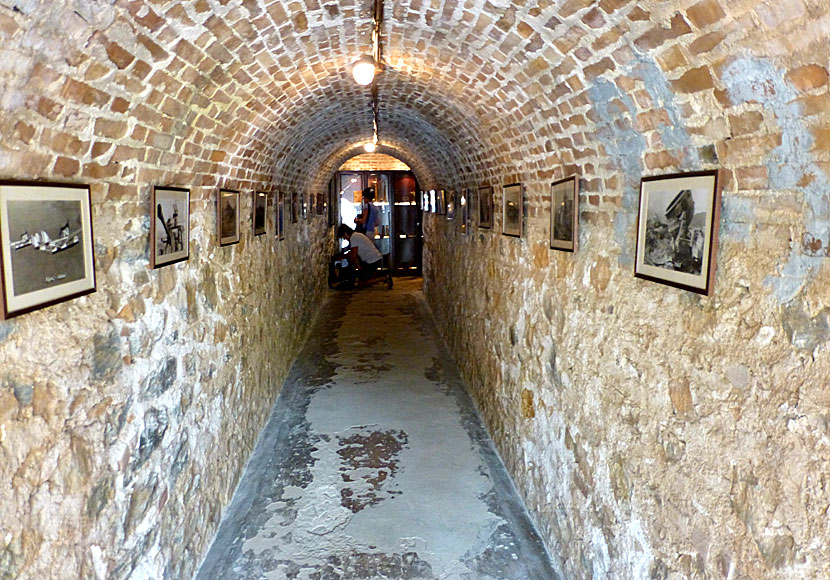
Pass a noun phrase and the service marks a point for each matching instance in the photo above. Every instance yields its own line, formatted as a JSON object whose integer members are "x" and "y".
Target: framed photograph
{"x": 45, "y": 245}
{"x": 279, "y": 216}
{"x": 564, "y": 213}
{"x": 464, "y": 208}
{"x": 303, "y": 207}
{"x": 433, "y": 201}
{"x": 260, "y": 211}
{"x": 512, "y": 210}
{"x": 228, "y": 216}
{"x": 441, "y": 199}
{"x": 295, "y": 207}
{"x": 677, "y": 230}
{"x": 321, "y": 204}
{"x": 169, "y": 225}
{"x": 451, "y": 204}
{"x": 485, "y": 207}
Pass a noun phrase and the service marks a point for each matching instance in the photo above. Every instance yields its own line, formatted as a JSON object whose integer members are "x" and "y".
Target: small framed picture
{"x": 279, "y": 216}
{"x": 512, "y": 210}
{"x": 295, "y": 207}
{"x": 227, "y": 207}
{"x": 321, "y": 204}
{"x": 464, "y": 208}
{"x": 169, "y": 225}
{"x": 677, "y": 230}
{"x": 564, "y": 213}
{"x": 441, "y": 198}
{"x": 303, "y": 207}
{"x": 433, "y": 201}
{"x": 260, "y": 211}
{"x": 45, "y": 245}
{"x": 451, "y": 204}
{"x": 485, "y": 207}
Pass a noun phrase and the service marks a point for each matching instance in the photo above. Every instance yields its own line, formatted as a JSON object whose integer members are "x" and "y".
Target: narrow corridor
{"x": 374, "y": 464}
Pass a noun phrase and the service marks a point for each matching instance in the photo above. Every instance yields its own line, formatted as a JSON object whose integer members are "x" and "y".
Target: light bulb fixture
{"x": 370, "y": 147}
{"x": 363, "y": 70}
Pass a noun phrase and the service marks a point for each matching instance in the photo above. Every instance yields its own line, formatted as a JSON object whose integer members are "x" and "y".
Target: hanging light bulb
{"x": 363, "y": 70}
{"x": 370, "y": 147}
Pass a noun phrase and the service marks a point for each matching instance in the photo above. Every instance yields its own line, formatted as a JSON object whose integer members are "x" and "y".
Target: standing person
{"x": 362, "y": 254}
{"x": 367, "y": 221}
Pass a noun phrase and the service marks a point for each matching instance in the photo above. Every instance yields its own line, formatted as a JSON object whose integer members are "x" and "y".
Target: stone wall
{"x": 126, "y": 416}
{"x": 657, "y": 433}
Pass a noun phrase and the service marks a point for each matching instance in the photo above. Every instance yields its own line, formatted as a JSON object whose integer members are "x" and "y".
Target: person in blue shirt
{"x": 367, "y": 221}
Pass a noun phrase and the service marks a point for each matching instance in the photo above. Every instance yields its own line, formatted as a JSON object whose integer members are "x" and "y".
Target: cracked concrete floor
{"x": 374, "y": 465}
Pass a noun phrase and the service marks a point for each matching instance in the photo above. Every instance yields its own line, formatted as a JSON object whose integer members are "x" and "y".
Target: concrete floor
{"x": 374, "y": 464}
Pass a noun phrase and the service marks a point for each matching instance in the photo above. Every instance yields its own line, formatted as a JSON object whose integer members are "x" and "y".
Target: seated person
{"x": 363, "y": 256}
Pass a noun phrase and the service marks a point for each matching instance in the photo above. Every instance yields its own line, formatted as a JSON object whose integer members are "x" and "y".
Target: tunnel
{"x": 657, "y": 393}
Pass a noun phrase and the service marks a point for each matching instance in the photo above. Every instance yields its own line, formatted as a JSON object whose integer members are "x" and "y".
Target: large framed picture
{"x": 512, "y": 210}
{"x": 169, "y": 225}
{"x": 228, "y": 217}
{"x": 45, "y": 245}
{"x": 564, "y": 213}
{"x": 260, "y": 211}
{"x": 485, "y": 207}
{"x": 677, "y": 230}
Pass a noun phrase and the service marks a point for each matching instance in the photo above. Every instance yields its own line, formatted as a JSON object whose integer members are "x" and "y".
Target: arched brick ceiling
{"x": 261, "y": 90}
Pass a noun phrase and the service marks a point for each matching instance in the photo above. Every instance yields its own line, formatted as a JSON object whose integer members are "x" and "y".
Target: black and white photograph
{"x": 485, "y": 207}
{"x": 228, "y": 217}
{"x": 512, "y": 210}
{"x": 260, "y": 212}
{"x": 46, "y": 245}
{"x": 169, "y": 226}
{"x": 564, "y": 213}
{"x": 451, "y": 204}
{"x": 677, "y": 230}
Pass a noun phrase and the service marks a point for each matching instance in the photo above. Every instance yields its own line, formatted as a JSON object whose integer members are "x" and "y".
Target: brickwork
{"x": 374, "y": 162}
{"x": 646, "y": 427}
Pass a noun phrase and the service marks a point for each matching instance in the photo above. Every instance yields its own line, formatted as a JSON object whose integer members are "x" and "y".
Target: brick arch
{"x": 425, "y": 178}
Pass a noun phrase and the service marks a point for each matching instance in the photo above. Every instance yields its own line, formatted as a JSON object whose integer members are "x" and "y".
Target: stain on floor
{"x": 374, "y": 464}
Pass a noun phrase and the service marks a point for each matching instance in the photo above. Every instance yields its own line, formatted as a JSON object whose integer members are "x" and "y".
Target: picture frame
{"x": 433, "y": 201}
{"x": 228, "y": 217}
{"x": 321, "y": 204}
{"x": 512, "y": 210}
{"x": 451, "y": 205}
{"x": 464, "y": 209}
{"x": 295, "y": 208}
{"x": 441, "y": 200}
{"x": 678, "y": 222}
{"x": 564, "y": 214}
{"x": 303, "y": 207}
{"x": 169, "y": 225}
{"x": 260, "y": 205}
{"x": 485, "y": 207}
{"x": 46, "y": 245}
{"x": 282, "y": 210}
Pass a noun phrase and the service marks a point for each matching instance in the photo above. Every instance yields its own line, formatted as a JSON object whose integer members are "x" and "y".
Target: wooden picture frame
{"x": 228, "y": 223}
{"x": 441, "y": 201}
{"x": 512, "y": 208}
{"x": 564, "y": 214}
{"x": 46, "y": 245}
{"x": 169, "y": 225}
{"x": 260, "y": 211}
{"x": 485, "y": 207}
{"x": 677, "y": 230}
